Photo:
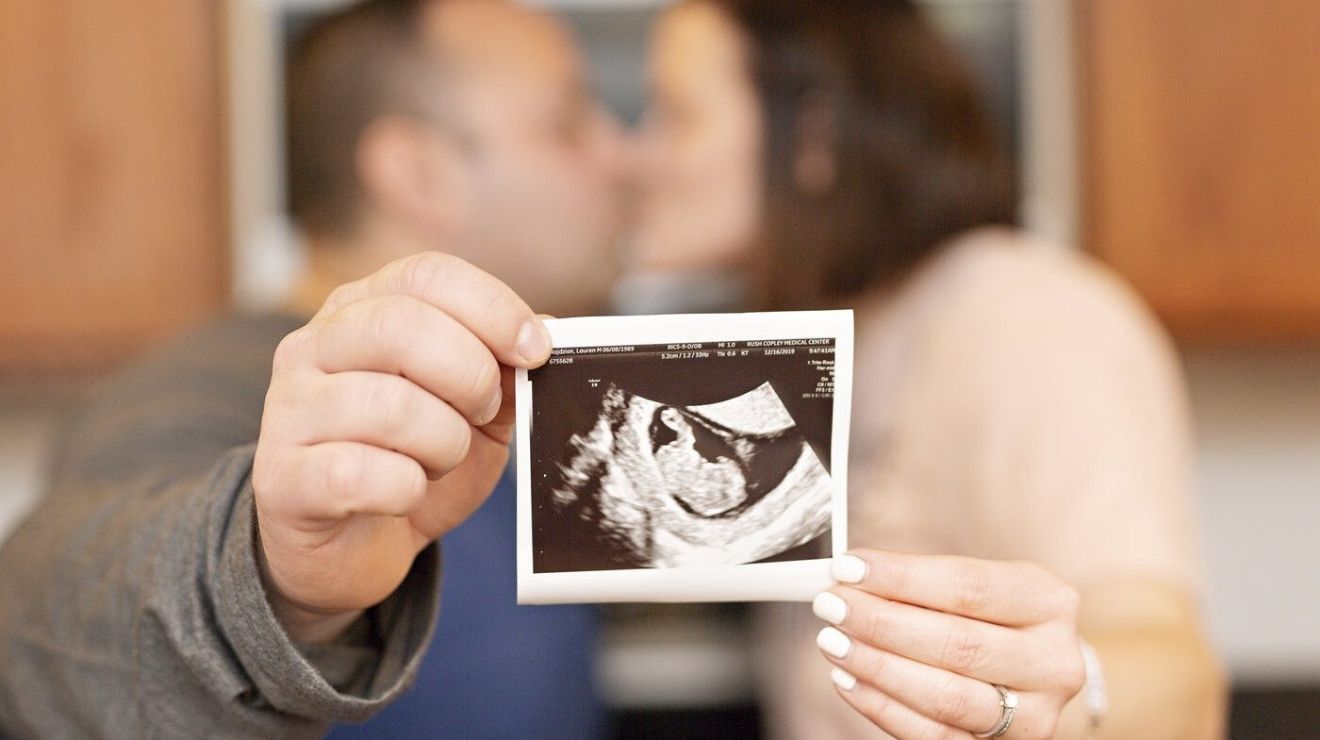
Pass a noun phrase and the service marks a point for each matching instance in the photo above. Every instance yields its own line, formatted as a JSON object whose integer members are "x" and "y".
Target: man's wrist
{"x": 301, "y": 623}
{"x": 307, "y": 626}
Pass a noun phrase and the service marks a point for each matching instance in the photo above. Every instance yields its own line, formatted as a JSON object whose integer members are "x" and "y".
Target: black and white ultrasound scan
{"x": 684, "y": 458}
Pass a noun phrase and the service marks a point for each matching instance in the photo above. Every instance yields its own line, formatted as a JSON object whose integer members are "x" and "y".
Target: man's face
{"x": 542, "y": 168}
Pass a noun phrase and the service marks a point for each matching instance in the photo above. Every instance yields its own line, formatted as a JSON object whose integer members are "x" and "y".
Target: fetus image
{"x": 658, "y": 485}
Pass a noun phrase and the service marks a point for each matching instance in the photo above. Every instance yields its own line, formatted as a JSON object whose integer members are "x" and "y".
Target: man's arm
{"x": 130, "y": 601}
{"x": 136, "y": 609}
{"x": 151, "y": 595}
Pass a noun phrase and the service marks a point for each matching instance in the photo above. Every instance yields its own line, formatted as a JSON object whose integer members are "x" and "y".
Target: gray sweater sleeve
{"x": 130, "y": 601}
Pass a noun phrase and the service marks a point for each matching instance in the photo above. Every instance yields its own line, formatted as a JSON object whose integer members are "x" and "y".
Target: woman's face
{"x": 699, "y": 150}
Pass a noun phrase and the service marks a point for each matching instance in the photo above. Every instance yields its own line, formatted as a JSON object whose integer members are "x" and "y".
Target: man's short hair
{"x": 343, "y": 72}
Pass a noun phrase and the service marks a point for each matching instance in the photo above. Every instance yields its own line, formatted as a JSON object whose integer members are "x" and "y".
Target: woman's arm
{"x": 1155, "y": 658}
{"x": 1047, "y": 433}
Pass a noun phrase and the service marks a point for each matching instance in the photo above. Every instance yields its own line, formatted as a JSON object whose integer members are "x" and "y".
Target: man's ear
{"x": 412, "y": 175}
{"x": 815, "y": 166}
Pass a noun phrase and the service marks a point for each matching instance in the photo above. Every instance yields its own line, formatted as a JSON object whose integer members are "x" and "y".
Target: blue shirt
{"x": 495, "y": 669}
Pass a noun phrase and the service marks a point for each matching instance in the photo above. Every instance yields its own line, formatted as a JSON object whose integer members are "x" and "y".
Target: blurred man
{"x": 469, "y": 129}
{"x": 179, "y": 580}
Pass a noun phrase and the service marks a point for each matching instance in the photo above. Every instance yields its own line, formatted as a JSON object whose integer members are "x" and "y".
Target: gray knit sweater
{"x": 130, "y": 601}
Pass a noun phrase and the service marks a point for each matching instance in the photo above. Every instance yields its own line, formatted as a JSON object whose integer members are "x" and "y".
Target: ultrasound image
{"x": 653, "y": 473}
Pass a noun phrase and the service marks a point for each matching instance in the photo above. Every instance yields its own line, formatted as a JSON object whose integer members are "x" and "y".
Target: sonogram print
{"x": 722, "y": 483}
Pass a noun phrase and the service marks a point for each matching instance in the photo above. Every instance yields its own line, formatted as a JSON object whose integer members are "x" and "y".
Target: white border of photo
{"x": 797, "y": 580}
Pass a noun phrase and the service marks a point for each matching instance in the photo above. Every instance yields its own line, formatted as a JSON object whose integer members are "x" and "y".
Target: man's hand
{"x": 386, "y": 424}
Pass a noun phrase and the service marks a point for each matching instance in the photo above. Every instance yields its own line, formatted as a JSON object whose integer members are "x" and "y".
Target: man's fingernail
{"x": 848, "y": 569}
{"x": 843, "y": 679}
{"x": 834, "y": 642}
{"x": 829, "y": 607}
{"x": 489, "y": 414}
{"x": 533, "y": 343}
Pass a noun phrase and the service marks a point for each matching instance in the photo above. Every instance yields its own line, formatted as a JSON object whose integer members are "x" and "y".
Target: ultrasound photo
{"x": 682, "y": 454}
{"x": 715, "y": 484}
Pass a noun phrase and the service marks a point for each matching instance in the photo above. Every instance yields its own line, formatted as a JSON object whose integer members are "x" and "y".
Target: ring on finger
{"x": 1008, "y": 704}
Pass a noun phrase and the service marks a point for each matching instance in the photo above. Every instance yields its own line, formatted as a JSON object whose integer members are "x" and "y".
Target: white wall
{"x": 26, "y": 428}
{"x": 1258, "y": 434}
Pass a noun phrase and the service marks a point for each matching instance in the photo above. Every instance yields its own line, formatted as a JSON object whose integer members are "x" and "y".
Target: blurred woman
{"x": 1019, "y": 503}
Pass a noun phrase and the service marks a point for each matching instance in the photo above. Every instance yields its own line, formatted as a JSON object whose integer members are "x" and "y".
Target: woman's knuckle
{"x": 951, "y": 704}
{"x": 1046, "y": 578}
{"x": 973, "y": 589}
{"x": 1043, "y": 729}
{"x": 1033, "y": 569}
{"x": 868, "y": 664}
{"x": 878, "y": 705}
{"x": 963, "y": 651}
{"x": 1072, "y": 674}
{"x": 896, "y": 574}
{"x": 1070, "y": 601}
{"x": 873, "y": 625}
{"x": 938, "y": 732}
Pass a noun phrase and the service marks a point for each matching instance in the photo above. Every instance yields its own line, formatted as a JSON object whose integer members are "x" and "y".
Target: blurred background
{"x": 1179, "y": 141}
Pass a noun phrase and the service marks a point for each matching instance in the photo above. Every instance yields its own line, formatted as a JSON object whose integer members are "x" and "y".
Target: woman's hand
{"x": 921, "y": 641}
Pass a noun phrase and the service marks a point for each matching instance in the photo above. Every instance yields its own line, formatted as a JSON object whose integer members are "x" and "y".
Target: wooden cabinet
{"x": 1201, "y": 163}
{"x": 112, "y": 220}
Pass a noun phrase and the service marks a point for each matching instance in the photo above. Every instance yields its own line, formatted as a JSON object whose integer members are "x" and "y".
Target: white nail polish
{"x": 834, "y": 642}
{"x": 848, "y": 569}
{"x": 843, "y": 679}
{"x": 830, "y": 608}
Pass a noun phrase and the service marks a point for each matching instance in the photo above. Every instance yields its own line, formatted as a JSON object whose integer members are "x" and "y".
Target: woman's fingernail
{"x": 830, "y": 608}
{"x": 533, "y": 343}
{"x": 843, "y": 679}
{"x": 848, "y": 569}
{"x": 834, "y": 642}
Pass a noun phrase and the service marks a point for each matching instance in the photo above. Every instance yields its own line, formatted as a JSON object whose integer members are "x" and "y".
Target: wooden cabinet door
{"x": 112, "y": 220}
{"x": 1201, "y": 170}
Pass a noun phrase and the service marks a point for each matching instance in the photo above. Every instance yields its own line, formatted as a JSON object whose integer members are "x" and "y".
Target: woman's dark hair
{"x": 914, "y": 156}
